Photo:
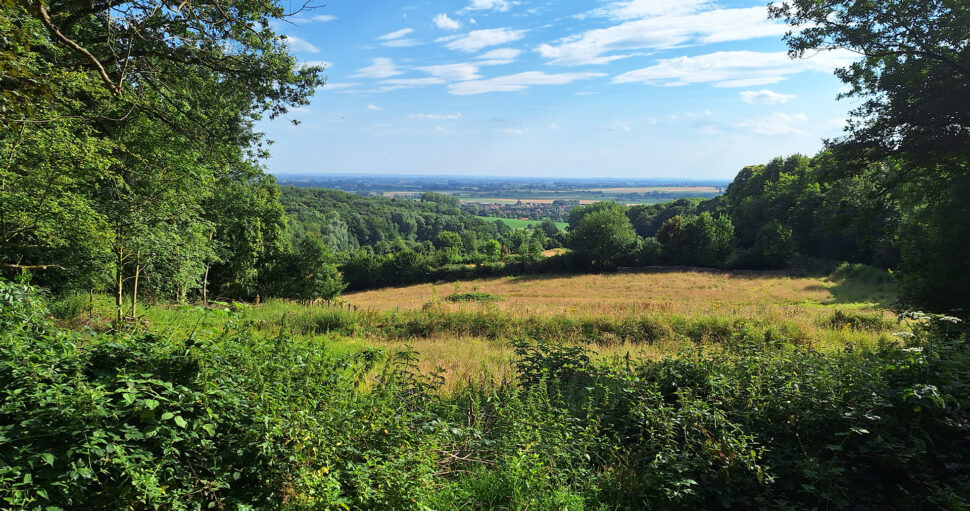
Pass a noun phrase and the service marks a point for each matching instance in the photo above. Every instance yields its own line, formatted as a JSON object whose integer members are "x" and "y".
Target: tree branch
{"x": 46, "y": 20}
{"x": 32, "y": 266}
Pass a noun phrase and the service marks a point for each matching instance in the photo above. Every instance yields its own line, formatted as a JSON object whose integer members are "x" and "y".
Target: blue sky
{"x": 639, "y": 88}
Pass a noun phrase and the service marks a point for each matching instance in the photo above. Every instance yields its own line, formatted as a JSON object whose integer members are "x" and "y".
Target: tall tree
{"x": 913, "y": 76}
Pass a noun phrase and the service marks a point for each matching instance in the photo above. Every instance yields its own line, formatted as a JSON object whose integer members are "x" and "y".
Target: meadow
{"x": 645, "y": 315}
{"x": 518, "y": 223}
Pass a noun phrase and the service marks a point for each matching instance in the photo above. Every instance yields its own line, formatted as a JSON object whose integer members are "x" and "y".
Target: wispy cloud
{"x": 323, "y": 18}
{"x": 636, "y": 9}
{"x": 499, "y": 56}
{"x": 661, "y": 32}
{"x": 374, "y": 107}
{"x": 488, "y": 5}
{"x": 396, "y": 39}
{"x": 517, "y": 82}
{"x": 733, "y": 68}
{"x": 337, "y": 86}
{"x": 765, "y": 97}
{"x": 407, "y": 83}
{"x": 297, "y": 44}
{"x": 453, "y": 72}
{"x": 401, "y": 43}
{"x": 443, "y": 22}
{"x": 380, "y": 67}
{"x": 479, "y": 39}
{"x": 436, "y": 116}
{"x": 396, "y": 34}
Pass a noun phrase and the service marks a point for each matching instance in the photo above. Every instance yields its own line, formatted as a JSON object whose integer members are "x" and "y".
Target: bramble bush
{"x": 228, "y": 420}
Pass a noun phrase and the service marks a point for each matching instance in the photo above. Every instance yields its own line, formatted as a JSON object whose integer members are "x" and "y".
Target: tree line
{"x": 129, "y": 164}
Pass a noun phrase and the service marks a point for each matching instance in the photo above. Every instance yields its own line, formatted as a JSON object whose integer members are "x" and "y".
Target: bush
{"x": 70, "y": 306}
{"x": 856, "y": 321}
{"x": 476, "y": 296}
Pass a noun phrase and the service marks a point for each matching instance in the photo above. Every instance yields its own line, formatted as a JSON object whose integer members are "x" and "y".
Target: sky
{"x": 691, "y": 89}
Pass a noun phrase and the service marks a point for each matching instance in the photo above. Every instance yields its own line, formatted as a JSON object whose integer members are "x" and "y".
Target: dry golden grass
{"x": 768, "y": 295}
{"x": 766, "y": 298}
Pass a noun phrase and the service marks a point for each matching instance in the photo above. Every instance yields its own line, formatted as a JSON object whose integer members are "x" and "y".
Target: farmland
{"x": 518, "y": 223}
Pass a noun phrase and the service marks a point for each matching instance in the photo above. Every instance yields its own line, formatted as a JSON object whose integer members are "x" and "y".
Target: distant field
{"x": 648, "y": 189}
{"x": 516, "y": 223}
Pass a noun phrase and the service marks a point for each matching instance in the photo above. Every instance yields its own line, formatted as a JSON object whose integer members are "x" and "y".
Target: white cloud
{"x": 765, "y": 97}
{"x": 499, "y": 56}
{"x": 297, "y": 44}
{"x": 488, "y": 5}
{"x": 453, "y": 72}
{"x": 338, "y": 86}
{"x": 436, "y": 116}
{"x": 478, "y": 39}
{"x": 380, "y": 68}
{"x": 733, "y": 68}
{"x": 374, "y": 107}
{"x": 775, "y": 124}
{"x": 636, "y": 9}
{"x": 396, "y": 34}
{"x": 442, "y": 21}
{"x": 661, "y": 32}
{"x": 324, "y": 18}
{"x": 516, "y": 82}
{"x": 407, "y": 83}
{"x": 401, "y": 43}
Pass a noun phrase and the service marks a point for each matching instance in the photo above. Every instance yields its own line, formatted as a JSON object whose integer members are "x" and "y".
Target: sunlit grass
{"x": 608, "y": 313}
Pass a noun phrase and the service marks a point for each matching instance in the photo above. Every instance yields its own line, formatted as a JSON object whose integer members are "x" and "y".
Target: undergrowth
{"x": 229, "y": 419}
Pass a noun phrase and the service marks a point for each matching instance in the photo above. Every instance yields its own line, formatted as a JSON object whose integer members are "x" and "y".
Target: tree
{"x": 697, "y": 240}
{"x": 307, "y": 273}
{"x": 914, "y": 78}
{"x": 492, "y": 250}
{"x": 603, "y": 235}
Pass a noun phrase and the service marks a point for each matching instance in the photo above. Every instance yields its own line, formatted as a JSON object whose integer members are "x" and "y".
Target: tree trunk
{"x": 119, "y": 288}
{"x": 134, "y": 288}
{"x": 205, "y": 286}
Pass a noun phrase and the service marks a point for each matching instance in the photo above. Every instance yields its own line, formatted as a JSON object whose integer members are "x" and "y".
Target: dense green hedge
{"x": 232, "y": 421}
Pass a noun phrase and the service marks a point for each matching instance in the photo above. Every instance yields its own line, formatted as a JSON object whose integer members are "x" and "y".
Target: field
{"x": 516, "y": 223}
{"x": 648, "y": 315}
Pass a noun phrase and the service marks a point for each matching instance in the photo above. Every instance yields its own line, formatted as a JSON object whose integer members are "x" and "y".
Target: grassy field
{"x": 516, "y": 223}
{"x": 648, "y": 315}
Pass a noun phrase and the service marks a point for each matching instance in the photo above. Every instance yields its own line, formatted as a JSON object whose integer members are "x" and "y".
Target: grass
{"x": 643, "y": 315}
{"x": 517, "y": 223}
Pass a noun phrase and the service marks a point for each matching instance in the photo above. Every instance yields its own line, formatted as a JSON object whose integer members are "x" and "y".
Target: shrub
{"x": 476, "y": 296}
{"x": 856, "y": 321}
{"x": 70, "y": 306}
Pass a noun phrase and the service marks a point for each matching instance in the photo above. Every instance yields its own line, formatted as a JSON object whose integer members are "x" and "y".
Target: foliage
{"x": 474, "y": 296}
{"x": 234, "y": 420}
{"x": 601, "y": 233}
{"x": 914, "y": 70}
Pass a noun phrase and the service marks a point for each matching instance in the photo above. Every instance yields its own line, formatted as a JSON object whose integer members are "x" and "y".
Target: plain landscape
{"x": 203, "y": 305}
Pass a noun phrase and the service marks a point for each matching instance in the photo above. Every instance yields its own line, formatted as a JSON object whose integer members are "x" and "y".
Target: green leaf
{"x": 167, "y": 415}
{"x": 209, "y": 429}
{"x": 180, "y": 421}
{"x": 48, "y": 458}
